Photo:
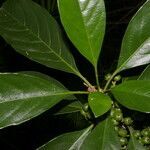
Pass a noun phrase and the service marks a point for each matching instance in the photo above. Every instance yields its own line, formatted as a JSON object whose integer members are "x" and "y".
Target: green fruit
{"x": 107, "y": 76}
{"x": 83, "y": 113}
{"x": 123, "y": 141}
{"x": 137, "y": 134}
{"x": 118, "y": 116}
{"x": 86, "y": 107}
{"x": 127, "y": 121}
{"x": 146, "y": 140}
{"x": 116, "y": 128}
{"x": 115, "y": 122}
{"x": 145, "y": 132}
{"x": 117, "y": 78}
{"x": 122, "y": 132}
{"x": 112, "y": 112}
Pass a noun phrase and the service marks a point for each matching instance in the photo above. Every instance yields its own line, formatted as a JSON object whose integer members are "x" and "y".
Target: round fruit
{"x": 115, "y": 122}
{"x": 107, "y": 76}
{"x": 128, "y": 121}
{"x": 118, "y": 116}
{"x": 137, "y": 134}
{"x": 116, "y": 128}
{"x": 86, "y": 107}
{"x": 123, "y": 141}
{"x": 83, "y": 113}
{"x": 145, "y": 132}
{"x": 146, "y": 140}
{"x": 117, "y": 78}
{"x": 122, "y": 132}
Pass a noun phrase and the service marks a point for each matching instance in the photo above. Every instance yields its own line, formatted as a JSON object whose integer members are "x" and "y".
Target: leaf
{"x": 133, "y": 142}
{"x": 145, "y": 74}
{"x": 135, "y": 49}
{"x": 99, "y": 103}
{"x": 134, "y": 95}
{"x": 68, "y": 141}
{"x": 84, "y": 22}
{"x": 32, "y": 32}
{"x": 70, "y": 97}
{"x": 103, "y": 137}
{"x": 24, "y": 96}
{"x": 70, "y": 108}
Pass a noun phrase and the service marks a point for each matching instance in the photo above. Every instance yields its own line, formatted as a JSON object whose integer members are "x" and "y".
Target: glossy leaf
{"x": 24, "y": 96}
{"x": 32, "y": 32}
{"x": 99, "y": 103}
{"x": 135, "y": 49}
{"x": 68, "y": 141}
{"x": 70, "y": 108}
{"x": 134, "y": 95}
{"x": 145, "y": 74}
{"x": 84, "y": 22}
{"x": 133, "y": 142}
{"x": 103, "y": 137}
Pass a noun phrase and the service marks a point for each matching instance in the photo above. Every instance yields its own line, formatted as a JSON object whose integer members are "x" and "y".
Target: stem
{"x": 97, "y": 80}
{"x": 84, "y": 79}
{"x": 108, "y": 82}
{"x": 78, "y": 92}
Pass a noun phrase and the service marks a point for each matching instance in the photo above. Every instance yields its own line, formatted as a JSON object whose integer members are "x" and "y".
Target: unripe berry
{"x": 118, "y": 116}
{"x": 145, "y": 132}
{"x": 128, "y": 121}
{"x": 123, "y": 141}
{"x": 86, "y": 107}
{"x": 107, "y": 76}
{"x": 146, "y": 140}
{"x": 117, "y": 78}
{"x": 122, "y": 132}
{"x": 115, "y": 122}
{"x": 137, "y": 134}
{"x": 116, "y": 128}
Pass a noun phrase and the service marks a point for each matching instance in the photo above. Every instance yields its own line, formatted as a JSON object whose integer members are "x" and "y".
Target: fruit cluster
{"x": 121, "y": 126}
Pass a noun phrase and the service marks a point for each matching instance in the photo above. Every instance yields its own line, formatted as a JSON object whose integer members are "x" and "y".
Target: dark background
{"x": 35, "y": 132}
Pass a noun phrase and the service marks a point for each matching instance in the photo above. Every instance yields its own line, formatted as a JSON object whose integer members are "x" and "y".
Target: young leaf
{"x": 84, "y": 22}
{"x": 103, "y": 137}
{"x": 68, "y": 141}
{"x": 32, "y": 32}
{"x": 70, "y": 108}
{"x": 134, "y": 95}
{"x": 24, "y": 96}
{"x": 99, "y": 103}
{"x": 133, "y": 142}
{"x": 145, "y": 74}
{"x": 135, "y": 49}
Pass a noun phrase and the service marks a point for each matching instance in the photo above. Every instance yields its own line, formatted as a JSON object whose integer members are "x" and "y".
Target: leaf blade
{"x": 70, "y": 141}
{"x": 99, "y": 103}
{"x": 32, "y": 32}
{"x": 24, "y": 96}
{"x": 135, "y": 49}
{"x": 145, "y": 74}
{"x": 103, "y": 137}
{"x": 85, "y": 25}
{"x": 134, "y": 95}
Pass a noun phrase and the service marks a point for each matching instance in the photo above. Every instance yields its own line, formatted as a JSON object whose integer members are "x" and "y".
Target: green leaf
{"x": 134, "y": 95}
{"x": 103, "y": 137}
{"x": 135, "y": 49}
{"x": 68, "y": 141}
{"x": 99, "y": 103}
{"x": 24, "y": 96}
{"x": 145, "y": 74}
{"x": 32, "y": 32}
{"x": 70, "y": 108}
{"x": 84, "y": 22}
{"x": 133, "y": 142}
